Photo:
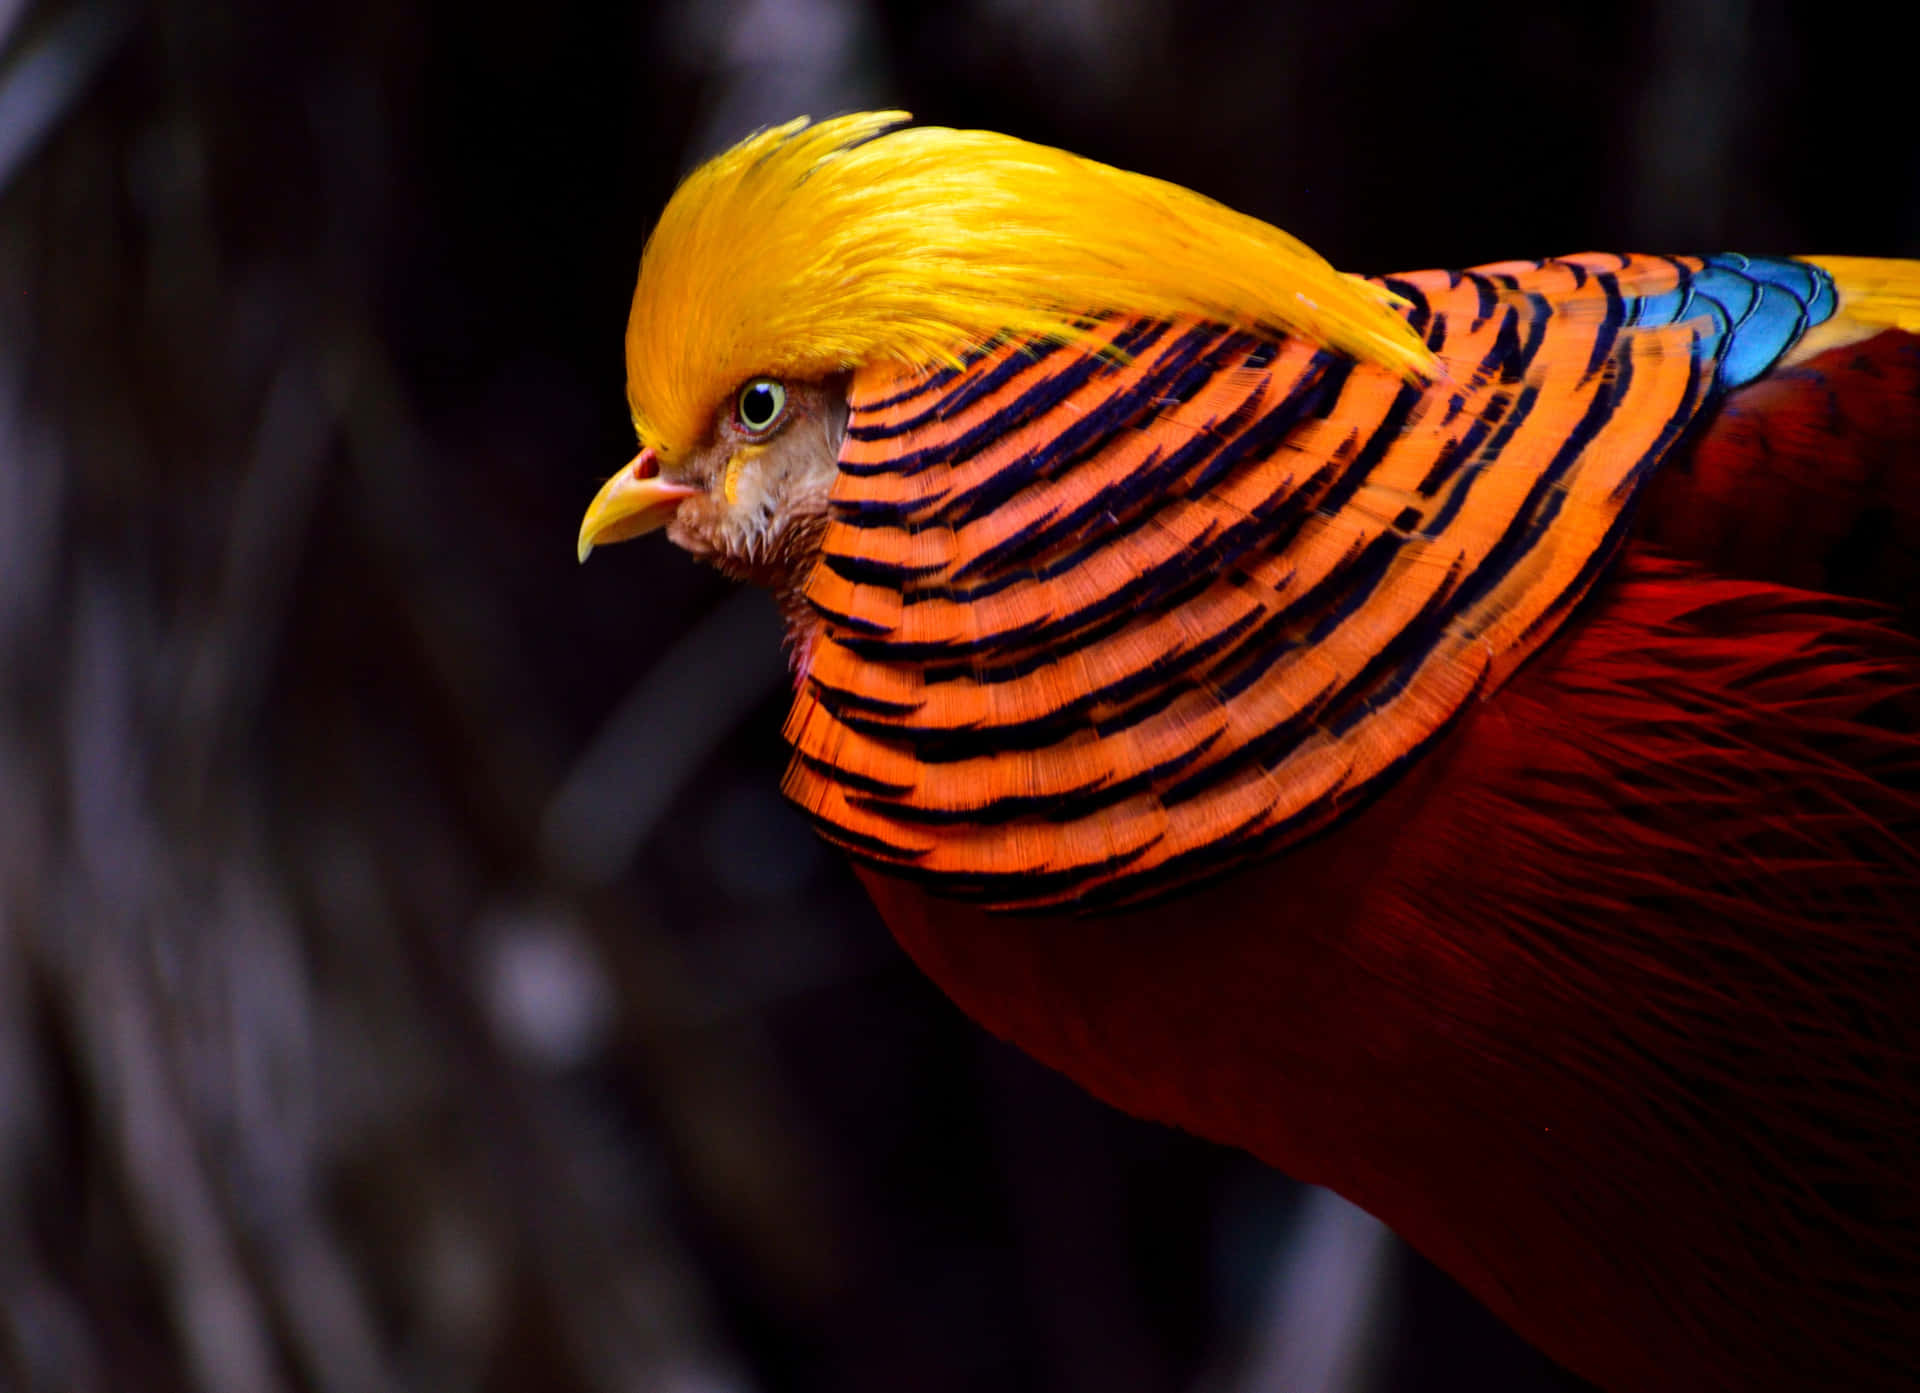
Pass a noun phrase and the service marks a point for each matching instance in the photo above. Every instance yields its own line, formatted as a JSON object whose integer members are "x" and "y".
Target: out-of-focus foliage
{"x": 409, "y": 978}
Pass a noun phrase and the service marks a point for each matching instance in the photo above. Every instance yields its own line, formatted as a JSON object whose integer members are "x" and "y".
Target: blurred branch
{"x": 295, "y": 1151}
{"x": 718, "y": 1108}
{"x": 43, "y": 81}
{"x": 696, "y": 694}
{"x": 233, "y": 653}
{"x": 1324, "y": 1313}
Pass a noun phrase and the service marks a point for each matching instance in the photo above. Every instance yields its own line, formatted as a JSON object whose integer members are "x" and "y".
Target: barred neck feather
{"x": 1091, "y": 626}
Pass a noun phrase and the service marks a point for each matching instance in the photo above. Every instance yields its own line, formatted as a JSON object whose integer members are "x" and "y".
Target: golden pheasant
{"x": 1452, "y": 735}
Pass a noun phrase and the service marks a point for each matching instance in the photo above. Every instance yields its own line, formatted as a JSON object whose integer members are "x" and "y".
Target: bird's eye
{"x": 761, "y": 405}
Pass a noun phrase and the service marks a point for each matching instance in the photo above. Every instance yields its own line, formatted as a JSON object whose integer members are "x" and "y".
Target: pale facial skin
{"x": 751, "y": 499}
{"x": 762, "y": 502}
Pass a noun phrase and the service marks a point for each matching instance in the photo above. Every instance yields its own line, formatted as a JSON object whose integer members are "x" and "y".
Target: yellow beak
{"x": 632, "y": 503}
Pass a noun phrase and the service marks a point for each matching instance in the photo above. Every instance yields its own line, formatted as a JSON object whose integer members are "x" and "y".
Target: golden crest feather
{"x": 815, "y": 248}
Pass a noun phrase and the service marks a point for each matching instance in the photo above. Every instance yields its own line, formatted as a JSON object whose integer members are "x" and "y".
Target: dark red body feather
{"x": 1612, "y": 1005}
{"x": 1809, "y": 477}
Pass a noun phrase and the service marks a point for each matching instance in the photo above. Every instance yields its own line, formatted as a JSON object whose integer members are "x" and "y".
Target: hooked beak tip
{"x": 632, "y": 503}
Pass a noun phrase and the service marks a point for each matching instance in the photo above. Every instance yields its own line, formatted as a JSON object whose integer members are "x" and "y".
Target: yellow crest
{"x": 811, "y": 249}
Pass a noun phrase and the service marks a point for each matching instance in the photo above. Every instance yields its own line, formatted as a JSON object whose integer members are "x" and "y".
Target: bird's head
{"x": 811, "y": 253}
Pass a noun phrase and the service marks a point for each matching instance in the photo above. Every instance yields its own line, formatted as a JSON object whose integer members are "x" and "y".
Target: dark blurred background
{"x": 410, "y": 977}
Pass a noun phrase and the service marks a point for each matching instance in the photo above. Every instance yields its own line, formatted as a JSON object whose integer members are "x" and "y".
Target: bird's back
{"x": 1608, "y": 997}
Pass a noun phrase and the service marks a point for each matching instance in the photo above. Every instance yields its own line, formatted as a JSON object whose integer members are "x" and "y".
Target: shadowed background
{"x": 410, "y": 977}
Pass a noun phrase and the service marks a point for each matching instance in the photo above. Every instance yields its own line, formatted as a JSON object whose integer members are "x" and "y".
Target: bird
{"x": 1453, "y": 735}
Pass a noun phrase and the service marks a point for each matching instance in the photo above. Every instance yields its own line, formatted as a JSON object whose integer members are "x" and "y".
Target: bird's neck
{"x": 1090, "y": 628}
